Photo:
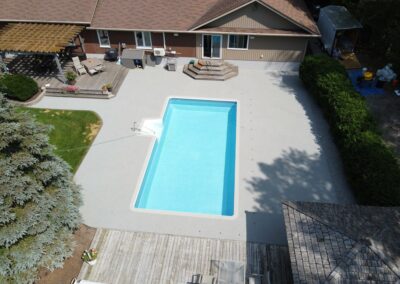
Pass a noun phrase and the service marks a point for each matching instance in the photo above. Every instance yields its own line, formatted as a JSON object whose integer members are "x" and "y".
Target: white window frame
{"x": 143, "y": 47}
{"x": 233, "y": 48}
{"x": 108, "y": 36}
{"x": 220, "y": 46}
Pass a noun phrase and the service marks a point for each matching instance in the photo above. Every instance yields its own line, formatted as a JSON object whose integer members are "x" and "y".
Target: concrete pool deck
{"x": 285, "y": 153}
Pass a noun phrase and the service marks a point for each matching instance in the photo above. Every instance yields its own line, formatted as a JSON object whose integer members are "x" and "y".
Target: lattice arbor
{"x": 34, "y": 38}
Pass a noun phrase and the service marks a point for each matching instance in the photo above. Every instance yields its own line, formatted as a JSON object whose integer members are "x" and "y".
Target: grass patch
{"x": 72, "y": 134}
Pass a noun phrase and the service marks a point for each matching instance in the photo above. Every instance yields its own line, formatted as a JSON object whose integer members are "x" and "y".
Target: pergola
{"x": 41, "y": 39}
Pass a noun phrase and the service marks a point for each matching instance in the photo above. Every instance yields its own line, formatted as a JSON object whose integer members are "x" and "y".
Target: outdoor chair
{"x": 100, "y": 68}
{"x": 78, "y": 66}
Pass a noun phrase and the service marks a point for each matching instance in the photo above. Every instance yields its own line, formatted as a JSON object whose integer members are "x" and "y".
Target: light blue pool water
{"x": 192, "y": 165}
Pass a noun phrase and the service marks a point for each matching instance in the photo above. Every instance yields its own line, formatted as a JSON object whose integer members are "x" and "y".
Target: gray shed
{"x": 339, "y": 29}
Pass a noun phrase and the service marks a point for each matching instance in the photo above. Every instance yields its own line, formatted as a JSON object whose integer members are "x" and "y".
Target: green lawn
{"x": 73, "y": 132}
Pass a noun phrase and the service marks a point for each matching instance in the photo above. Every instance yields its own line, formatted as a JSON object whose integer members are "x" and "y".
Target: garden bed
{"x": 83, "y": 237}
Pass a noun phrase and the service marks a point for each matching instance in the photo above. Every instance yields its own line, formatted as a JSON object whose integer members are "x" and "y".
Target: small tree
{"x": 39, "y": 202}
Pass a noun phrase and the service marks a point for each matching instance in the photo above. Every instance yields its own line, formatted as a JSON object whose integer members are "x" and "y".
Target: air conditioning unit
{"x": 159, "y": 51}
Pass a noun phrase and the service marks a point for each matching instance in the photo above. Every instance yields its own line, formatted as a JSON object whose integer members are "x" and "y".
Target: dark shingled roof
{"x": 186, "y": 15}
{"x": 294, "y": 10}
{"x": 343, "y": 243}
{"x": 72, "y": 11}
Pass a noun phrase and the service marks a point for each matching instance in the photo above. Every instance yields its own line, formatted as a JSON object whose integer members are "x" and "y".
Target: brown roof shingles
{"x": 335, "y": 243}
{"x": 296, "y": 10}
{"x": 160, "y": 15}
{"x": 185, "y": 15}
{"x": 72, "y": 11}
{"x": 173, "y": 15}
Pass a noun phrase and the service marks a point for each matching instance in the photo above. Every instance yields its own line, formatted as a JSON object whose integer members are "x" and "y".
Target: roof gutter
{"x": 44, "y": 22}
{"x": 203, "y": 32}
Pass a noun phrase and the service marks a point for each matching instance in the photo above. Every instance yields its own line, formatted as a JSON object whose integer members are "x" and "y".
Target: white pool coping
{"x": 148, "y": 157}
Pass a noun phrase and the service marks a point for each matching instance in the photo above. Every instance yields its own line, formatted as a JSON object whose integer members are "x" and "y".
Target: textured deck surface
{"x": 134, "y": 257}
{"x": 113, "y": 73}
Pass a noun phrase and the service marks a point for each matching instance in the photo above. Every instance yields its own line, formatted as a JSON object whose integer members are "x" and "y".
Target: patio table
{"x": 93, "y": 65}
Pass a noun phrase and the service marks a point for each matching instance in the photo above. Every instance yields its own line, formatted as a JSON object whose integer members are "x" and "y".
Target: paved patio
{"x": 285, "y": 153}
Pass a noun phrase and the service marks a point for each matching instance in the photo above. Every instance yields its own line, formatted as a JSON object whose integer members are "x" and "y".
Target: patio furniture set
{"x": 134, "y": 58}
{"x": 91, "y": 66}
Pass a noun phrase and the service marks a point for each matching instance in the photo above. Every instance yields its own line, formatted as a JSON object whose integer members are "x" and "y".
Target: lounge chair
{"x": 78, "y": 66}
{"x": 99, "y": 68}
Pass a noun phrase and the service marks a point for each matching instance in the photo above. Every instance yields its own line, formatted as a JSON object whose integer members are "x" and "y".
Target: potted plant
{"x": 89, "y": 256}
{"x": 71, "y": 76}
{"x": 107, "y": 87}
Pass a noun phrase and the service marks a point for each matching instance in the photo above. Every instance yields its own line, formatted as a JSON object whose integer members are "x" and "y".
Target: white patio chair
{"x": 78, "y": 66}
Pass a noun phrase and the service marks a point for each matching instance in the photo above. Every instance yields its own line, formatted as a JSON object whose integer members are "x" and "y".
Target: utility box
{"x": 133, "y": 58}
{"x": 171, "y": 64}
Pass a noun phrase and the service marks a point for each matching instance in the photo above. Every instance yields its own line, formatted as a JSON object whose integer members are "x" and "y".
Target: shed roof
{"x": 37, "y": 38}
{"x": 343, "y": 243}
{"x": 47, "y": 11}
{"x": 341, "y": 18}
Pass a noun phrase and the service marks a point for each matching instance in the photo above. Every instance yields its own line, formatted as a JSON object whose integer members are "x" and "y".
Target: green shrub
{"x": 71, "y": 76}
{"x": 373, "y": 170}
{"x": 18, "y": 87}
{"x": 371, "y": 167}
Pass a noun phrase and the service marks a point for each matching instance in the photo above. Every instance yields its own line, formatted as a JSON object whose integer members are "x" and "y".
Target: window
{"x": 238, "y": 42}
{"x": 104, "y": 40}
{"x": 143, "y": 40}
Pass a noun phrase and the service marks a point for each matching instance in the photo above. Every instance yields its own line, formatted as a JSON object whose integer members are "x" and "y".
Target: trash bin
{"x": 158, "y": 60}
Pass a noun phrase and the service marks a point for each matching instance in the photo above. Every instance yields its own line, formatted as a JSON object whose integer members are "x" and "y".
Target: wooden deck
{"x": 136, "y": 257}
{"x": 27, "y": 65}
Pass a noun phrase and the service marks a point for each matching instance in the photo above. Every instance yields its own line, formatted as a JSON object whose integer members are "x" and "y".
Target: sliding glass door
{"x": 212, "y": 45}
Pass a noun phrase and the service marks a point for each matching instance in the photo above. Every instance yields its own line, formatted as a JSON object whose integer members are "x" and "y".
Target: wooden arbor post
{"x": 61, "y": 72}
{"x": 3, "y": 66}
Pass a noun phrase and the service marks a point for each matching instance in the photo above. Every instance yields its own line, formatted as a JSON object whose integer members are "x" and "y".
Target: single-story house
{"x": 332, "y": 243}
{"x": 262, "y": 30}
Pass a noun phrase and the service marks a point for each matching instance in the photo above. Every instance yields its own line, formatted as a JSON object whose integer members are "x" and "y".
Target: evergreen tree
{"x": 39, "y": 202}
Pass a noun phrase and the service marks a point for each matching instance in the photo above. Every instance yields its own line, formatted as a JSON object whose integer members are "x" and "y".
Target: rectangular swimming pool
{"x": 192, "y": 164}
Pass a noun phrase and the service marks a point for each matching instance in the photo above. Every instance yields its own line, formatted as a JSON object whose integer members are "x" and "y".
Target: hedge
{"x": 371, "y": 167}
{"x": 18, "y": 87}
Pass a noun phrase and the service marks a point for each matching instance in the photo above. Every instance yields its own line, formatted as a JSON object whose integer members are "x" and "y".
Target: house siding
{"x": 261, "y": 48}
{"x": 264, "y": 48}
{"x": 92, "y": 42}
{"x": 184, "y": 44}
{"x": 254, "y": 16}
